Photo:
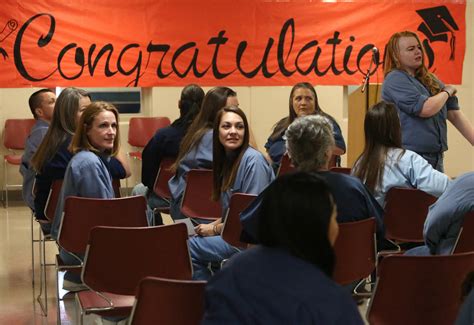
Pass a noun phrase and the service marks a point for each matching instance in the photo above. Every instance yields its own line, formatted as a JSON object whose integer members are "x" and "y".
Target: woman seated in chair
{"x": 287, "y": 278}
{"x": 237, "y": 168}
{"x": 53, "y": 156}
{"x": 384, "y": 164}
{"x": 88, "y": 173}
{"x": 195, "y": 151}
{"x": 165, "y": 144}
{"x": 303, "y": 101}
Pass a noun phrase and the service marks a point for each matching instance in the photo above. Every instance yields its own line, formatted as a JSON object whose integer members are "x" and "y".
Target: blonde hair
{"x": 392, "y": 62}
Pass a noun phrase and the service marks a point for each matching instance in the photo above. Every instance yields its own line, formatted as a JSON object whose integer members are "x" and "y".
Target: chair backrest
{"x": 465, "y": 240}
{"x": 419, "y": 289}
{"x": 333, "y": 161}
{"x": 405, "y": 214}
{"x": 52, "y": 201}
{"x": 118, "y": 258}
{"x": 15, "y": 133}
{"x": 142, "y": 129}
{"x": 82, "y": 214}
{"x": 286, "y": 166}
{"x": 355, "y": 250}
{"x": 164, "y": 175}
{"x": 232, "y": 225}
{"x": 161, "y": 301}
{"x": 342, "y": 170}
{"x": 197, "y": 201}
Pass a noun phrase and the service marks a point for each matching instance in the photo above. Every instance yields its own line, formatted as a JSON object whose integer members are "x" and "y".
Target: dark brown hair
{"x": 36, "y": 100}
{"x": 382, "y": 131}
{"x": 280, "y": 127}
{"x": 215, "y": 99}
{"x": 224, "y": 167}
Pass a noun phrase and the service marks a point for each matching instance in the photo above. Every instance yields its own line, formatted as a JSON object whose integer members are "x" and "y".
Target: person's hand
{"x": 205, "y": 230}
{"x": 451, "y": 89}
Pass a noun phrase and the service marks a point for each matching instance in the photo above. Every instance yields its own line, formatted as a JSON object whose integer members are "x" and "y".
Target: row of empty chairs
{"x": 15, "y": 133}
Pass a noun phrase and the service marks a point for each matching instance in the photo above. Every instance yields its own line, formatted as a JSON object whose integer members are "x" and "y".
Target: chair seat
{"x": 13, "y": 159}
{"x": 91, "y": 300}
{"x": 164, "y": 210}
{"x": 135, "y": 155}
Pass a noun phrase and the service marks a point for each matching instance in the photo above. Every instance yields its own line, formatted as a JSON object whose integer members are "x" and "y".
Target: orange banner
{"x": 117, "y": 43}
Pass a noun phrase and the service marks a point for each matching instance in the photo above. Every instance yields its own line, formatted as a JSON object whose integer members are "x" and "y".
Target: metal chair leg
{"x": 5, "y": 186}
{"x": 43, "y": 283}
{"x": 58, "y": 299}
{"x": 33, "y": 241}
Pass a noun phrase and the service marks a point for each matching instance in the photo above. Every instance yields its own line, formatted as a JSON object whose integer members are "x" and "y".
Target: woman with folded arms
{"x": 424, "y": 102}
{"x": 303, "y": 101}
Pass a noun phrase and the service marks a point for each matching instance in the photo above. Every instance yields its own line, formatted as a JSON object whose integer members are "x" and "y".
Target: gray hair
{"x": 308, "y": 140}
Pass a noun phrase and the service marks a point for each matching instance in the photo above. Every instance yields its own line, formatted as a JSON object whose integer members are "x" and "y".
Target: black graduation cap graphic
{"x": 438, "y": 25}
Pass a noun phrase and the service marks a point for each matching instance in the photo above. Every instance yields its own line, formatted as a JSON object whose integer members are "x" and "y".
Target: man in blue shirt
{"x": 41, "y": 105}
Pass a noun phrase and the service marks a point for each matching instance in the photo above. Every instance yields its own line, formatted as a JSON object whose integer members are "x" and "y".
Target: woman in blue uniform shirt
{"x": 303, "y": 101}
{"x": 287, "y": 278}
{"x": 165, "y": 144}
{"x": 88, "y": 173}
{"x": 53, "y": 156}
{"x": 195, "y": 151}
{"x": 237, "y": 168}
{"x": 423, "y": 102}
{"x": 384, "y": 164}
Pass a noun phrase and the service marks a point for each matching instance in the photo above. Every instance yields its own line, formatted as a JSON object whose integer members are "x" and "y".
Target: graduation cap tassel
{"x": 452, "y": 45}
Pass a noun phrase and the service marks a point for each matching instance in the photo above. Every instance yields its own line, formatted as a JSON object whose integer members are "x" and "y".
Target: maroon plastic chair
{"x": 15, "y": 133}
{"x": 286, "y": 166}
{"x": 419, "y": 289}
{"x": 356, "y": 251}
{"x": 342, "y": 170}
{"x": 141, "y": 130}
{"x": 49, "y": 212}
{"x": 405, "y": 214}
{"x": 52, "y": 201}
{"x": 82, "y": 214}
{"x": 161, "y": 187}
{"x": 465, "y": 240}
{"x": 117, "y": 259}
{"x": 197, "y": 202}
{"x": 232, "y": 226}
{"x": 161, "y": 301}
